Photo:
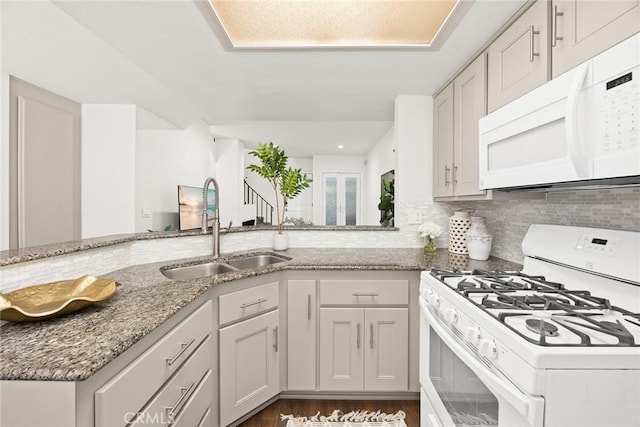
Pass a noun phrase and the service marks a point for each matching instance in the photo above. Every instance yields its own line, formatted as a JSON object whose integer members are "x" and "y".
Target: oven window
{"x": 467, "y": 400}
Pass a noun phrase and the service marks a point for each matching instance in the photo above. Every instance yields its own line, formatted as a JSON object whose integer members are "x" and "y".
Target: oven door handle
{"x": 529, "y": 406}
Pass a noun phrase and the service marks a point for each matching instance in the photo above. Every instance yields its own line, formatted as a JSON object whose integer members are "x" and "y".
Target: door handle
{"x": 309, "y": 307}
{"x": 275, "y": 339}
{"x": 358, "y": 335}
{"x": 554, "y": 28}
{"x": 454, "y": 172}
{"x": 371, "y": 335}
{"x": 532, "y": 52}
{"x": 446, "y": 175}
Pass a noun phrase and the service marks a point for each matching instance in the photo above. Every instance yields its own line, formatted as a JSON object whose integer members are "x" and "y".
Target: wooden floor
{"x": 270, "y": 416}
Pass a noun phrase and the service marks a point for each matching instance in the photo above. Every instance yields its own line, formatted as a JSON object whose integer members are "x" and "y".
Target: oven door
{"x": 461, "y": 390}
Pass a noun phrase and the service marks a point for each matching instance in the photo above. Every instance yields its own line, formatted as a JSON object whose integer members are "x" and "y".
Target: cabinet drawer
{"x": 241, "y": 304}
{"x": 171, "y": 401}
{"x": 128, "y": 391}
{"x": 364, "y": 292}
{"x": 195, "y": 409}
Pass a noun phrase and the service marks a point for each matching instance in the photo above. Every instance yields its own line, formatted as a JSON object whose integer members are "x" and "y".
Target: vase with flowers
{"x": 429, "y": 232}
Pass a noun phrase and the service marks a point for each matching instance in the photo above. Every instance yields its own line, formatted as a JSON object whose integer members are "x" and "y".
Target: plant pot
{"x": 280, "y": 242}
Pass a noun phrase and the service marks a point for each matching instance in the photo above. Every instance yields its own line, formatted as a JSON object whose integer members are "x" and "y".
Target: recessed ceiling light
{"x": 341, "y": 146}
{"x": 337, "y": 23}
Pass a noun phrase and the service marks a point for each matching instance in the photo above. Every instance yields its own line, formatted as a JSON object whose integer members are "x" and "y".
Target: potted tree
{"x": 387, "y": 201}
{"x": 287, "y": 183}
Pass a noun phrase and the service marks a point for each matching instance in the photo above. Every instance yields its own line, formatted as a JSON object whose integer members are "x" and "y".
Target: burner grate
{"x": 507, "y": 294}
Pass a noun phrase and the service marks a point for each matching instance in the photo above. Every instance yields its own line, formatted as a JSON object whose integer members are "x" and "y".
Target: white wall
{"x": 414, "y": 153}
{"x": 4, "y": 160}
{"x": 164, "y": 160}
{"x": 108, "y": 169}
{"x": 333, "y": 164}
{"x": 380, "y": 160}
{"x": 229, "y": 156}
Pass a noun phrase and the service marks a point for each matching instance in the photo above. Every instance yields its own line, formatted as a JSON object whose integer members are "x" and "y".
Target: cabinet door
{"x": 249, "y": 365}
{"x": 518, "y": 58}
{"x": 301, "y": 332}
{"x": 587, "y": 28}
{"x": 386, "y": 357}
{"x": 469, "y": 90}
{"x": 341, "y": 349}
{"x": 443, "y": 142}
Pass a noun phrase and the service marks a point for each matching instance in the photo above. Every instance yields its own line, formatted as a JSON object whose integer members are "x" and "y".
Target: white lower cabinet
{"x": 364, "y": 349}
{"x": 153, "y": 389}
{"x": 301, "y": 335}
{"x": 249, "y": 365}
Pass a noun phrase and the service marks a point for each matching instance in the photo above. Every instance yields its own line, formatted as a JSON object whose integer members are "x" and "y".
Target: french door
{"x": 341, "y": 204}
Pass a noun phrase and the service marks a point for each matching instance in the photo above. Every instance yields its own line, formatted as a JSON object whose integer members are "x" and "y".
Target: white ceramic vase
{"x": 478, "y": 239}
{"x": 459, "y": 223}
{"x": 280, "y": 242}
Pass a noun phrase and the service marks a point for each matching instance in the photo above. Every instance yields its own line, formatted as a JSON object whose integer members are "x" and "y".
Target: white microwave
{"x": 579, "y": 128}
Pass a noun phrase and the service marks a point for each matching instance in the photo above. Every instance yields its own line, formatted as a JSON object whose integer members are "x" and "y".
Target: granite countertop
{"x": 74, "y": 347}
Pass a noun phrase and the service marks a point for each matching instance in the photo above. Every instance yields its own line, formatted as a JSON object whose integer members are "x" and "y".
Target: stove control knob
{"x": 473, "y": 335}
{"x": 436, "y": 300}
{"x": 452, "y": 315}
{"x": 488, "y": 348}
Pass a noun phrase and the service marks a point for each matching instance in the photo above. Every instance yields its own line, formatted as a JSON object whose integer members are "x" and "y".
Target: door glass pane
{"x": 467, "y": 400}
{"x": 331, "y": 200}
{"x": 351, "y": 199}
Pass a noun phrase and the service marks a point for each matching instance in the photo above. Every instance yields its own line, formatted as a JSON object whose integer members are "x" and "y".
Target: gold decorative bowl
{"x": 54, "y": 299}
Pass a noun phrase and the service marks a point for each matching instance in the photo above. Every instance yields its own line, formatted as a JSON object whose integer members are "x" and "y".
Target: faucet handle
{"x": 229, "y": 227}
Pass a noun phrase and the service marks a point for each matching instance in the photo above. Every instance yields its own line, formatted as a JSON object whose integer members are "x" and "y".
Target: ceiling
{"x": 172, "y": 59}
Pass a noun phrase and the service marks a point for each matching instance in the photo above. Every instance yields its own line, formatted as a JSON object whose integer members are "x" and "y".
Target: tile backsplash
{"x": 508, "y": 220}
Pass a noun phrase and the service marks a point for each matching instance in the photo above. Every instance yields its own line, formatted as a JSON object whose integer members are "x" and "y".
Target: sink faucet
{"x": 215, "y": 231}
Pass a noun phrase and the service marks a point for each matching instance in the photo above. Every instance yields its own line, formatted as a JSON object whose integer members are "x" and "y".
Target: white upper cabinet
{"x": 581, "y": 29}
{"x": 518, "y": 59}
{"x": 456, "y": 112}
{"x": 443, "y": 142}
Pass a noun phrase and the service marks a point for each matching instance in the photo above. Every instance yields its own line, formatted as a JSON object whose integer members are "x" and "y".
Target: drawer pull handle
{"x": 365, "y": 294}
{"x": 309, "y": 307}
{"x": 184, "y": 347}
{"x": 275, "y": 339}
{"x": 256, "y": 302}
{"x": 358, "y": 336}
{"x": 371, "y": 335}
{"x": 184, "y": 393}
{"x": 532, "y": 52}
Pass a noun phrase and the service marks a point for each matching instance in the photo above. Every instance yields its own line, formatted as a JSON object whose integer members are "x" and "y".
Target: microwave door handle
{"x": 532, "y": 408}
{"x": 576, "y": 153}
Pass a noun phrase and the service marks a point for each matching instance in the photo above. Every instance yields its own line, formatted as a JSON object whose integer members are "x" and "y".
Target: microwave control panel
{"x": 619, "y": 101}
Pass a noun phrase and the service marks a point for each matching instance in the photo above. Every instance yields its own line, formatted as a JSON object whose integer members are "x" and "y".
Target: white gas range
{"x": 555, "y": 345}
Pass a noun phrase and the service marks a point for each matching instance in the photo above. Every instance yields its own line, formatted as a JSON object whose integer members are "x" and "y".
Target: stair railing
{"x": 264, "y": 209}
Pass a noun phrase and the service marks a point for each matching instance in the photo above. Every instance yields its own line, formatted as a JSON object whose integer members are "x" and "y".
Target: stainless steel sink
{"x": 212, "y": 268}
{"x": 198, "y": 270}
{"x": 255, "y": 261}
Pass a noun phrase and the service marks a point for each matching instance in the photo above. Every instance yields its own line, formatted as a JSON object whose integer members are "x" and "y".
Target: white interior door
{"x": 45, "y": 167}
{"x": 341, "y": 198}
